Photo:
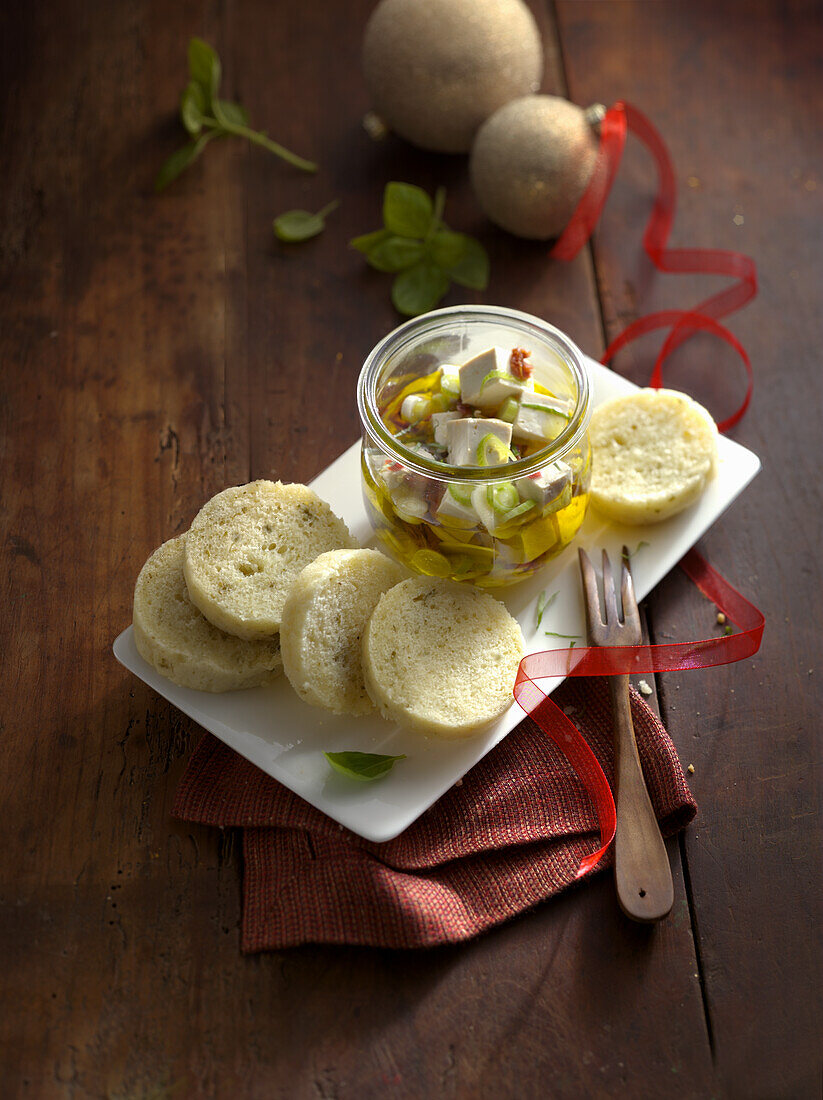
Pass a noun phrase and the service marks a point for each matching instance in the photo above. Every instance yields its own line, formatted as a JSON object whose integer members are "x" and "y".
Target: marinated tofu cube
{"x": 439, "y": 422}
{"x": 464, "y": 437}
{"x": 450, "y": 379}
{"x": 486, "y": 381}
{"x": 487, "y": 515}
{"x": 450, "y": 509}
{"x": 545, "y": 485}
{"x": 539, "y": 418}
{"x": 392, "y": 474}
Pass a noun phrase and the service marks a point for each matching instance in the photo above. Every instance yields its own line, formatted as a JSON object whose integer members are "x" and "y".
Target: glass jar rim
{"x": 523, "y": 467}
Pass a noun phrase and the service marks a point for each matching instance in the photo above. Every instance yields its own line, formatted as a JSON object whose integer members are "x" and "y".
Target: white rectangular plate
{"x": 287, "y": 738}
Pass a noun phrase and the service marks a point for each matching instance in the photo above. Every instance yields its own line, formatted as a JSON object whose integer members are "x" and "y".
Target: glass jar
{"x": 491, "y": 525}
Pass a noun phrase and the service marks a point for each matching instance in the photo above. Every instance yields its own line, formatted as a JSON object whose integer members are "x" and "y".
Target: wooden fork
{"x": 641, "y": 864}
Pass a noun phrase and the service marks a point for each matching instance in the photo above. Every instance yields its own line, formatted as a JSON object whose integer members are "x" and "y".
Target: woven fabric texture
{"x": 509, "y": 835}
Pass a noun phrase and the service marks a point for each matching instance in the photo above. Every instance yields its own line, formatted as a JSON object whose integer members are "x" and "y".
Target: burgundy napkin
{"x": 509, "y": 835}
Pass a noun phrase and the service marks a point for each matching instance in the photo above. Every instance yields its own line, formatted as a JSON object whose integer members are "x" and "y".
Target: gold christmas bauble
{"x": 531, "y": 162}
{"x": 436, "y": 69}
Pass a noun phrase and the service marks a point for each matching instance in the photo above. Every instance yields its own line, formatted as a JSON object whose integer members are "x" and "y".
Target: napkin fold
{"x": 509, "y": 835}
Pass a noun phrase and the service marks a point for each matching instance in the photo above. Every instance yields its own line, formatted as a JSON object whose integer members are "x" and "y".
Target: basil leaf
{"x": 301, "y": 225}
{"x": 181, "y": 159}
{"x": 419, "y": 289}
{"x": 395, "y": 254}
{"x": 364, "y": 766}
{"x": 298, "y": 225}
{"x": 192, "y": 108}
{"x": 407, "y": 210}
{"x": 447, "y": 249}
{"x": 232, "y": 113}
{"x": 204, "y": 68}
{"x": 472, "y": 270}
{"x": 367, "y": 241}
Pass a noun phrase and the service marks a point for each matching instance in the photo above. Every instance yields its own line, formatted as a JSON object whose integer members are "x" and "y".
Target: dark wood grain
{"x": 748, "y": 174}
{"x": 156, "y": 349}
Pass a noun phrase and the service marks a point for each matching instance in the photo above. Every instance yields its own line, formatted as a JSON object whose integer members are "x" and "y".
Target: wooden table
{"x": 156, "y": 349}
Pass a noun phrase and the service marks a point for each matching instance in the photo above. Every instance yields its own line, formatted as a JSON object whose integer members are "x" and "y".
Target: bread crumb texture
{"x": 653, "y": 453}
{"x": 181, "y": 644}
{"x": 246, "y": 547}
{"x": 441, "y": 657}
{"x": 324, "y": 617}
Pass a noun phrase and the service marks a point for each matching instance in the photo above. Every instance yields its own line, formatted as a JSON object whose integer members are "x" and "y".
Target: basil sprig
{"x": 364, "y": 766}
{"x": 419, "y": 249}
{"x": 205, "y": 117}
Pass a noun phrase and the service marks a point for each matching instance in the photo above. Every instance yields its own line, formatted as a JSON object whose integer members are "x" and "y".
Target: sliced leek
{"x": 508, "y": 410}
{"x": 492, "y": 451}
{"x": 503, "y": 497}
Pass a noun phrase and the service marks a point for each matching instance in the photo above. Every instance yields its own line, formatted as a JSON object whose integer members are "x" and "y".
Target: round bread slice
{"x": 441, "y": 656}
{"x": 172, "y": 635}
{"x": 324, "y": 617}
{"x": 653, "y": 452}
{"x": 246, "y": 547}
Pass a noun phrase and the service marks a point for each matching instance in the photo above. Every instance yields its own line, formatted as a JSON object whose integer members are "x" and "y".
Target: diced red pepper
{"x": 518, "y": 365}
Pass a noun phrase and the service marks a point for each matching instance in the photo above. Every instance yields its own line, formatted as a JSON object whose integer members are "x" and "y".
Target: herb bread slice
{"x": 653, "y": 453}
{"x": 441, "y": 656}
{"x": 172, "y": 635}
{"x": 324, "y": 616}
{"x": 246, "y": 547}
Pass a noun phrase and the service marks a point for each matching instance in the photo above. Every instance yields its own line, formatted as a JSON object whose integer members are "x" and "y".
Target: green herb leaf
{"x": 472, "y": 270}
{"x": 421, "y": 250}
{"x": 181, "y": 159}
{"x": 193, "y": 107}
{"x": 543, "y": 605}
{"x": 204, "y": 68}
{"x": 230, "y": 113}
{"x": 363, "y": 766}
{"x": 630, "y": 554}
{"x": 395, "y": 254}
{"x": 419, "y": 289}
{"x": 201, "y": 110}
{"x": 301, "y": 225}
{"x": 297, "y": 225}
{"x": 437, "y": 212}
{"x": 554, "y": 634}
{"x": 447, "y": 248}
{"x": 368, "y": 241}
{"x": 407, "y": 210}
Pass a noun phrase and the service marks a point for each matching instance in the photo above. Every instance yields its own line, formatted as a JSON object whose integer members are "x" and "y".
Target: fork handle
{"x": 641, "y": 864}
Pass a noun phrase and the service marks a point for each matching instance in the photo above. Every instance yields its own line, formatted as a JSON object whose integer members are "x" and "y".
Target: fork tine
{"x": 609, "y": 596}
{"x": 631, "y": 615}
{"x": 592, "y": 600}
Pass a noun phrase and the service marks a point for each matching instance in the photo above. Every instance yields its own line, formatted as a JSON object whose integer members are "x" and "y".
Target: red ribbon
{"x": 619, "y": 119}
{"x": 617, "y": 660}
